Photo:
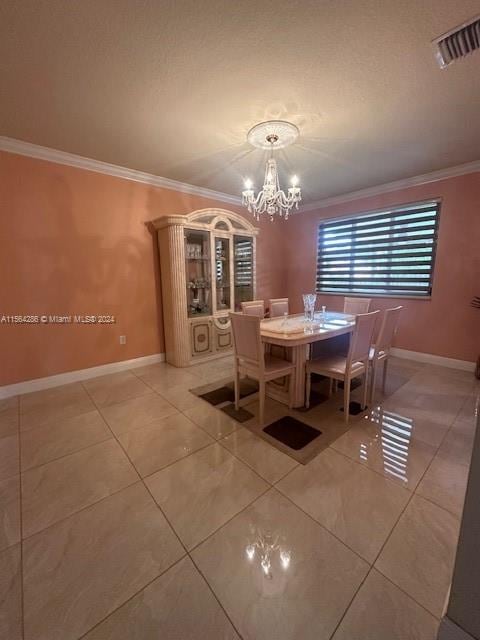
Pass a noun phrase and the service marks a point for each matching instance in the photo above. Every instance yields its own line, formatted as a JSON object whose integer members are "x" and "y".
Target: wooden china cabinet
{"x": 207, "y": 263}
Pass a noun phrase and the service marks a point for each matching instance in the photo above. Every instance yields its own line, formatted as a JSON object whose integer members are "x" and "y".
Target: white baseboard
{"x": 429, "y": 358}
{"x": 74, "y": 376}
{"x": 450, "y": 631}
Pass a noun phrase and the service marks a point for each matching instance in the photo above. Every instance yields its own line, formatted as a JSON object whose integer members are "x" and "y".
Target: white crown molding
{"x": 22, "y": 148}
{"x": 75, "y": 376}
{"x": 430, "y": 358}
{"x": 415, "y": 181}
{"x": 11, "y": 145}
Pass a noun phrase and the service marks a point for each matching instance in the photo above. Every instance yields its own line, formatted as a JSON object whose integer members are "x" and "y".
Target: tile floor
{"x": 129, "y": 508}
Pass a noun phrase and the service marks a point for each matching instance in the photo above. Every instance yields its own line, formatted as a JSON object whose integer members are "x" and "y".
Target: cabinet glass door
{"x": 222, "y": 273}
{"x": 243, "y": 270}
{"x": 197, "y": 268}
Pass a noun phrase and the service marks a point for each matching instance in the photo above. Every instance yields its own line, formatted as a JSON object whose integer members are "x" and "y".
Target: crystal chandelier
{"x": 272, "y": 200}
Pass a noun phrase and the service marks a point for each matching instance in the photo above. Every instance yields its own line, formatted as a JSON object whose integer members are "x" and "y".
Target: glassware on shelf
{"x": 197, "y": 265}
{"x": 222, "y": 272}
{"x": 309, "y": 300}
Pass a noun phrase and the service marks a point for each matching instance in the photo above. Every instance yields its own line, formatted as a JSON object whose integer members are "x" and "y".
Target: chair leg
{"x": 261, "y": 410}
{"x": 330, "y": 387}
{"x": 373, "y": 382}
{"x": 365, "y": 386}
{"x": 384, "y": 381}
{"x": 308, "y": 385}
{"x": 237, "y": 389}
{"x": 346, "y": 398}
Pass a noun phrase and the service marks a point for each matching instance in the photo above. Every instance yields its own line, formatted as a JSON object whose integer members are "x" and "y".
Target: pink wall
{"x": 75, "y": 242}
{"x": 445, "y": 325}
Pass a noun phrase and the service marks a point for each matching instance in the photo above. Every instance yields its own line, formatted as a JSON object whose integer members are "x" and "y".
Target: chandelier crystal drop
{"x": 272, "y": 200}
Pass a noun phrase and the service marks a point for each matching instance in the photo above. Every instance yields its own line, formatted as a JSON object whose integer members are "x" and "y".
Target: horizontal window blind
{"x": 384, "y": 253}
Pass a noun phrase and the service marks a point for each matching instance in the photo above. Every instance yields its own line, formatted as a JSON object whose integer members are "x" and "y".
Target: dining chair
{"x": 278, "y": 307}
{"x": 254, "y": 308}
{"x": 344, "y": 368}
{"x": 354, "y": 306}
{"x": 381, "y": 349}
{"x": 251, "y": 360}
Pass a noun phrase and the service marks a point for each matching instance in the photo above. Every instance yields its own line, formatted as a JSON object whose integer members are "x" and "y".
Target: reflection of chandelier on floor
{"x": 263, "y": 547}
{"x": 275, "y": 134}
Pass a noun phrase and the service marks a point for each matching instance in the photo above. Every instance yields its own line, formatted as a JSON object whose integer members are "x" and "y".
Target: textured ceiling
{"x": 171, "y": 88}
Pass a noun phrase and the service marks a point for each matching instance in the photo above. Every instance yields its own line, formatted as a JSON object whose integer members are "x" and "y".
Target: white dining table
{"x": 296, "y": 335}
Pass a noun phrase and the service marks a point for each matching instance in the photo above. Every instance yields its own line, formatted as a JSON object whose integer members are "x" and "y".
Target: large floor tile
{"x": 270, "y": 463}
{"x": 162, "y": 442}
{"x": 10, "y": 594}
{"x": 178, "y": 605}
{"x": 353, "y": 502}
{"x": 116, "y": 387}
{"x": 8, "y": 416}
{"x": 164, "y": 376}
{"x": 445, "y": 484}
{"x": 419, "y": 554}
{"x": 438, "y": 408}
{"x": 457, "y": 446}
{"x": 381, "y": 611}
{"x": 181, "y": 398}
{"x": 62, "y": 487}
{"x": 425, "y": 428}
{"x": 386, "y": 442}
{"x": 137, "y": 412}
{"x": 215, "y": 422}
{"x": 278, "y": 574}
{"x": 41, "y": 407}
{"x": 83, "y": 568}
{"x": 9, "y": 512}
{"x": 200, "y": 493}
{"x": 467, "y": 417}
{"x": 9, "y": 456}
{"x": 60, "y": 438}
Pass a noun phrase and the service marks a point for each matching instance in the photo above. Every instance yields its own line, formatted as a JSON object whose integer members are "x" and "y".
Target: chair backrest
{"x": 254, "y": 308}
{"x": 278, "y": 307}
{"x": 354, "y": 306}
{"x": 362, "y": 337}
{"x": 388, "y": 329}
{"x": 247, "y": 342}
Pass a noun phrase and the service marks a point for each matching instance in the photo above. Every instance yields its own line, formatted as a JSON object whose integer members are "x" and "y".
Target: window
{"x": 384, "y": 253}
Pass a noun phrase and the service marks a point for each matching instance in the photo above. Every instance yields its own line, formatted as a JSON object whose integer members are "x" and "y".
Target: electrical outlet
{"x": 123, "y": 339}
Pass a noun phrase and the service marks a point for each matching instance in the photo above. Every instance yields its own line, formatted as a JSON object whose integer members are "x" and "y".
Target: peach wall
{"x": 76, "y": 242}
{"x": 445, "y": 325}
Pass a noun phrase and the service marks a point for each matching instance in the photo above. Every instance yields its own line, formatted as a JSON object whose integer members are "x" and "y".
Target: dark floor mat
{"x": 354, "y": 384}
{"x": 242, "y": 415}
{"x": 247, "y": 387}
{"x": 355, "y": 408}
{"x": 316, "y": 398}
{"x": 292, "y": 432}
{"x": 219, "y": 396}
{"x": 227, "y": 393}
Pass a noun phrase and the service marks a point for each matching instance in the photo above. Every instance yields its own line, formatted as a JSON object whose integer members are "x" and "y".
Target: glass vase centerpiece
{"x": 309, "y": 300}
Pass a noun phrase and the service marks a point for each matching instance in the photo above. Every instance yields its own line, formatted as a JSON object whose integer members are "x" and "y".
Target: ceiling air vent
{"x": 458, "y": 43}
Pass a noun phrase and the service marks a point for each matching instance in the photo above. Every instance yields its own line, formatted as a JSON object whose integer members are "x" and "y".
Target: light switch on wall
{"x": 123, "y": 339}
